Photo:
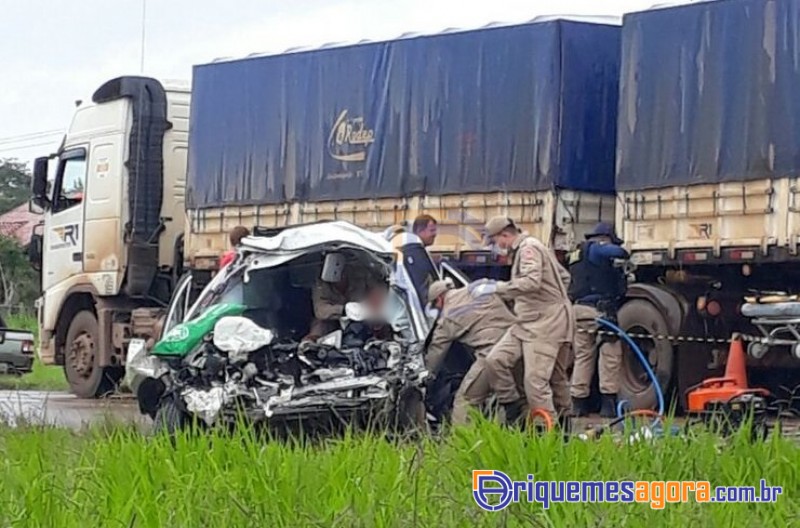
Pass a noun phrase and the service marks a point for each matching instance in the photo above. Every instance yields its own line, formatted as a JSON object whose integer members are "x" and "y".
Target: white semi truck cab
{"x": 112, "y": 199}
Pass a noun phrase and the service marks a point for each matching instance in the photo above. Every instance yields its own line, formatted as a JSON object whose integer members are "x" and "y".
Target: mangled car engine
{"x": 239, "y": 369}
{"x": 309, "y": 323}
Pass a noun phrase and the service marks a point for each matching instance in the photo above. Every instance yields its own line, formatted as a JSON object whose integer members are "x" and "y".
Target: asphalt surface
{"x": 62, "y": 409}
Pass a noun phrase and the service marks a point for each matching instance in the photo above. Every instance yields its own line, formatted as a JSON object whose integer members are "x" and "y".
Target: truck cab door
{"x": 63, "y": 223}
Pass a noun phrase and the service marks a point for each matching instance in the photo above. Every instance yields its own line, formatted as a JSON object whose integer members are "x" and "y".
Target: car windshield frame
{"x": 230, "y": 278}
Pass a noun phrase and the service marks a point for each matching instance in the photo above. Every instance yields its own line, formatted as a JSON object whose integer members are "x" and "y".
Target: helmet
{"x": 604, "y": 229}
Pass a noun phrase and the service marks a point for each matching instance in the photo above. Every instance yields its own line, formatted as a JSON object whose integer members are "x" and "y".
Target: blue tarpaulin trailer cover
{"x": 517, "y": 108}
{"x": 710, "y": 94}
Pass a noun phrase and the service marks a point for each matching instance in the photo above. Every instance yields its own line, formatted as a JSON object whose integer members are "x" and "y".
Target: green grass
{"x": 49, "y": 378}
{"x": 116, "y": 477}
{"x": 44, "y": 378}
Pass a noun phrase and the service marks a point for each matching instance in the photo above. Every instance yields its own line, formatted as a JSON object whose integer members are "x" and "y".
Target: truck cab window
{"x": 70, "y": 180}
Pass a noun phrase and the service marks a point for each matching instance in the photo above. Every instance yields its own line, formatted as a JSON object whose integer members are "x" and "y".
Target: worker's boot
{"x": 608, "y": 405}
{"x": 580, "y": 406}
{"x": 515, "y": 413}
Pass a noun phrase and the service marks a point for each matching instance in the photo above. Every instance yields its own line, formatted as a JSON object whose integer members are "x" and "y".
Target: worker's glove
{"x": 432, "y": 312}
{"x": 482, "y": 288}
{"x": 430, "y": 381}
{"x": 626, "y": 265}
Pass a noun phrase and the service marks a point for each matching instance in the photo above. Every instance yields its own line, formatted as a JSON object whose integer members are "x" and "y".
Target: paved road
{"x": 62, "y": 409}
{"x": 65, "y": 410}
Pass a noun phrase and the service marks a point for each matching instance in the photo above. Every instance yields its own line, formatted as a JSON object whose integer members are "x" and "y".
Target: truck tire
{"x": 169, "y": 419}
{"x": 86, "y": 378}
{"x": 642, "y": 317}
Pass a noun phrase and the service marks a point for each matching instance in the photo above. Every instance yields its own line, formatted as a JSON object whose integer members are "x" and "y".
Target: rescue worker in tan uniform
{"x": 543, "y": 334}
{"x": 477, "y": 323}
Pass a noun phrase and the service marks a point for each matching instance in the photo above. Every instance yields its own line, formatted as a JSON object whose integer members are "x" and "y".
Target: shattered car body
{"x": 243, "y": 348}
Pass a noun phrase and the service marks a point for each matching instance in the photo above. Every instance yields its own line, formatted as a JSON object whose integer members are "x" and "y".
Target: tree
{"x": 19, "y": 282}
{"x": 15, "y": 184}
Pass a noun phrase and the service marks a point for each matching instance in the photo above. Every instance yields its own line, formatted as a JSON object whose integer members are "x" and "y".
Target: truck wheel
{"x": 170, "y": 419}
{"x": 86, "y": 378}
{"x": 641, "y": 317}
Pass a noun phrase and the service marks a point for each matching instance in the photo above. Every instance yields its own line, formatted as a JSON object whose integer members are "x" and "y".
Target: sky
{"x": 54, "y": 52}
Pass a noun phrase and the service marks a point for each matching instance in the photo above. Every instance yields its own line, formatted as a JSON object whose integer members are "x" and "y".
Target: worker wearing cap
{"x": 542, "y": 336}
{"x": 599, "y": 283}
{"x": 236, "y": 235}
{"x": 478, "y": 323}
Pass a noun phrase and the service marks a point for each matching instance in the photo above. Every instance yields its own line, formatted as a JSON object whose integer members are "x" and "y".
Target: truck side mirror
{"x": 34, "y": 207}
{"x": 35, "y": 251}
{"x": 39, "y": 191}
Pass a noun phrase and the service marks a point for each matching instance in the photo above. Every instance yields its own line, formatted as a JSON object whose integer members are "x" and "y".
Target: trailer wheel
{"x": 81, "y": 358}
{"x": 641, "y": 317}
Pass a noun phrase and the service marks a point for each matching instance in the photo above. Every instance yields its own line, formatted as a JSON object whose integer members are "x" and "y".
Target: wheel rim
{"x": 635, "y": 375}
{"x": 81, "y": 355}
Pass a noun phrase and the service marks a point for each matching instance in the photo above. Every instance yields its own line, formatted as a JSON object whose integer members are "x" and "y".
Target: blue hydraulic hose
{"x": 645, "y": 363}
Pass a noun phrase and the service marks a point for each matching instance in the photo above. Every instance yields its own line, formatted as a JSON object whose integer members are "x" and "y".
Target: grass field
{"x": 116, "y": 477}
{"x": 43, "y": 377}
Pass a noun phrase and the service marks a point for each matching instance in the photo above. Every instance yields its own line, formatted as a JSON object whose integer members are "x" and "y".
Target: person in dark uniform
{"x": 416, "y": 259}
{"x": 597, "y": 289}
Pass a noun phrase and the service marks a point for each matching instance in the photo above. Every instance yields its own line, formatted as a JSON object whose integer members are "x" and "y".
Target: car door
{"x": 179, "y": 304}
{"x": 447, "y": 271}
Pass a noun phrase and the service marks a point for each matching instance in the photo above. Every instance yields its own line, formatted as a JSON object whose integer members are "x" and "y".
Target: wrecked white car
{"x": 310, "y": 324}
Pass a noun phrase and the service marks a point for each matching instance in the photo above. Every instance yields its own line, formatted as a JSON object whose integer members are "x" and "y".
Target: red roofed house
{"x": 18, "y": 223}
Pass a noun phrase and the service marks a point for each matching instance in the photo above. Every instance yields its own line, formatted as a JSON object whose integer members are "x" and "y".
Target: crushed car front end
{"x": 248, "y": 348}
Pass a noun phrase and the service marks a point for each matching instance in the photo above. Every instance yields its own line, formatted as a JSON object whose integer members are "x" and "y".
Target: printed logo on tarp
{"x": 179, "y": 333}
{"x": 350, "y": 138}
{"x": 65, "y": 236}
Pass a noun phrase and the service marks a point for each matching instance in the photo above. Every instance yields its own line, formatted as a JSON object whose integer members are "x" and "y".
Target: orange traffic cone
{"x": 736, "y": 364}
{"x": 721, "y": 390}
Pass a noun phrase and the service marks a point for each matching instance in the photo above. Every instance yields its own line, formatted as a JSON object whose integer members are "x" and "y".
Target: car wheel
{"x": 170, "y": 418}
{"x": 410, "y": 414}
{"x": 87, "y": 379}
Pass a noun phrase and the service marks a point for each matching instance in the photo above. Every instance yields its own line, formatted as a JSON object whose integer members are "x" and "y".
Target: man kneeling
{"x": 478, "y": 323}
